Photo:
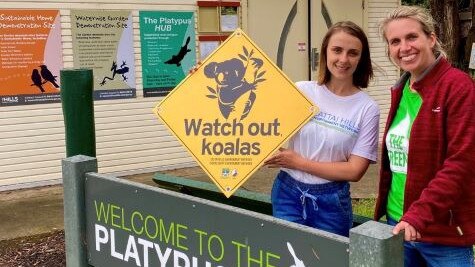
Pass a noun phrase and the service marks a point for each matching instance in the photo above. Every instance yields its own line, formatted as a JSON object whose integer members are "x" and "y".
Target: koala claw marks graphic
{"x": 231, "y": 78}
{"x": 122, "y": 71}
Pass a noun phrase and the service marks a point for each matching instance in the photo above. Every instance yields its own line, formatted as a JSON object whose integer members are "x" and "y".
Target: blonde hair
{"x": 418, "y": 14}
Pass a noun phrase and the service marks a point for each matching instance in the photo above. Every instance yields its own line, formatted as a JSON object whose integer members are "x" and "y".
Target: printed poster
{"x": 207, "y": 47}
{"x": 168, "y": 49}
{"x": 103, "y": 42}
{"x": 30, "y": 57}
{"x": 229, "y": 20}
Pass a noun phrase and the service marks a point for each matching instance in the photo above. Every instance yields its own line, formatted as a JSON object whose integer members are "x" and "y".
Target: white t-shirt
{"x": 345, "y": 125}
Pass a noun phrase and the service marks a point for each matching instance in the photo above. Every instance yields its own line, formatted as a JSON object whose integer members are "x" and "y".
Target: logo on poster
{"x": 226, "y": 172}
{"x": 10, "y": 99}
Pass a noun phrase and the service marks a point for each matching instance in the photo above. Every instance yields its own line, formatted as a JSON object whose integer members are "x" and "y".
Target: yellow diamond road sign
{"x": 234, "y": 111}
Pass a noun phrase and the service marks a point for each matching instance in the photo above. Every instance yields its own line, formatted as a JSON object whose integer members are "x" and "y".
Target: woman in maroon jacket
{"x": 427, "y": 183}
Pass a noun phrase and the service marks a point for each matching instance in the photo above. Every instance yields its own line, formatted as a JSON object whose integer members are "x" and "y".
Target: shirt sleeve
{"x": 366, "y": 145}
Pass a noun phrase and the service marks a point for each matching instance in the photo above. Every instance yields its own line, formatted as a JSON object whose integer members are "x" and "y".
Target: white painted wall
{"x": 388, "y": 73}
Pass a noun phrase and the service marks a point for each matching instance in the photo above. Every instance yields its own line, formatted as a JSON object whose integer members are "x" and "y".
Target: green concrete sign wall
{"x": 130, "y": 225}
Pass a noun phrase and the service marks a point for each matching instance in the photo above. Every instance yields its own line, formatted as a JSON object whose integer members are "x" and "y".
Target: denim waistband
{"x": 329, "y": 187}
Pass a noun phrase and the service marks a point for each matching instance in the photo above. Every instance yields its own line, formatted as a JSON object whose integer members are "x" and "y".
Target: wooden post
{"x": 78, "y": 111}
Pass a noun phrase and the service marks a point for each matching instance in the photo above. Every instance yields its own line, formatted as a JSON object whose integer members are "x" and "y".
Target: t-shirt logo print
{"x": 233, "y": 80}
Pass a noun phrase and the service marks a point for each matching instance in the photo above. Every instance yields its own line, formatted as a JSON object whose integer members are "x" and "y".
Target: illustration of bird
{"x": 176, "y": 59}
{"x": 48, "y": 76}
{"x": 36, "y": 78}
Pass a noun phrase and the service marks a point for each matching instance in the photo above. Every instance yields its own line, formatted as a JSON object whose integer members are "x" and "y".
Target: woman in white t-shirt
{"x": 337, "y": 145}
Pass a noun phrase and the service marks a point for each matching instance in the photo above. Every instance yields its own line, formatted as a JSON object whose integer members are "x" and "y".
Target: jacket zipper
{"x": 459, "y": 230}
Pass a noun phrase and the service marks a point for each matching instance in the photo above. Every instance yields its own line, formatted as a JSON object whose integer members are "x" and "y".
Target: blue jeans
{"x": 423, "y": 254}
{"x": 323, "y": 206}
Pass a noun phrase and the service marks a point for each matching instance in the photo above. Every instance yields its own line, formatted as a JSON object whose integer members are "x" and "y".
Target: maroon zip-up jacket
{"x": 439, "y": 198}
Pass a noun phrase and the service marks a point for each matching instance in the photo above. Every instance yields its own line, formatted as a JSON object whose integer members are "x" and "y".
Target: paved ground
{"x": 40, "y": 210}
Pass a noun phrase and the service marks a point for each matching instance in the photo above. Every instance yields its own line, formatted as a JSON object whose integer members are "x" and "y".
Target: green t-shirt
{"x": 397, "y": 142}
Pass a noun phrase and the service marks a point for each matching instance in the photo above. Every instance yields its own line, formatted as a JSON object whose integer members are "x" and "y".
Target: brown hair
{"x": 364, "y": 70}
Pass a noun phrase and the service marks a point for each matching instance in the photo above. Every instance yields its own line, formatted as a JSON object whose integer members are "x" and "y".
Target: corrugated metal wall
{"x": 130, "y": 139}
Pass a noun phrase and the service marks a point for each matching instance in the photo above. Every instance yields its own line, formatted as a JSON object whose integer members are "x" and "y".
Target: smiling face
{"x": 343, "y": 55}
{"x": 409, "y": 46}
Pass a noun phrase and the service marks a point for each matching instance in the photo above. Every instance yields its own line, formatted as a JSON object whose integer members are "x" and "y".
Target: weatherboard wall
{"x": 130, "y": 139}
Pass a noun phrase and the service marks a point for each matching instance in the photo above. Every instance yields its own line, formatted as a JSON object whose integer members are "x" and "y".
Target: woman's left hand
{"x": 410, "y": 233}
{"x": 284, "y": 158}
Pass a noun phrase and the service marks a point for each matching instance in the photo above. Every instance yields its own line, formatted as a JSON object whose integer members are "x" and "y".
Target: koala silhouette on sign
{"x": 231, "y": 83}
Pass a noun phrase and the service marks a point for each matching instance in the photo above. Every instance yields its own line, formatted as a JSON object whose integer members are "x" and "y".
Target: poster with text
{"x": 103, "y": 42}
{"x": 30, "y": 57}
{"x": 168, "y": 49}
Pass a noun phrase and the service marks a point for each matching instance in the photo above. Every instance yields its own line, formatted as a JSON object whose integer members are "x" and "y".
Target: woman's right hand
{"x": 284, "y": 158}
